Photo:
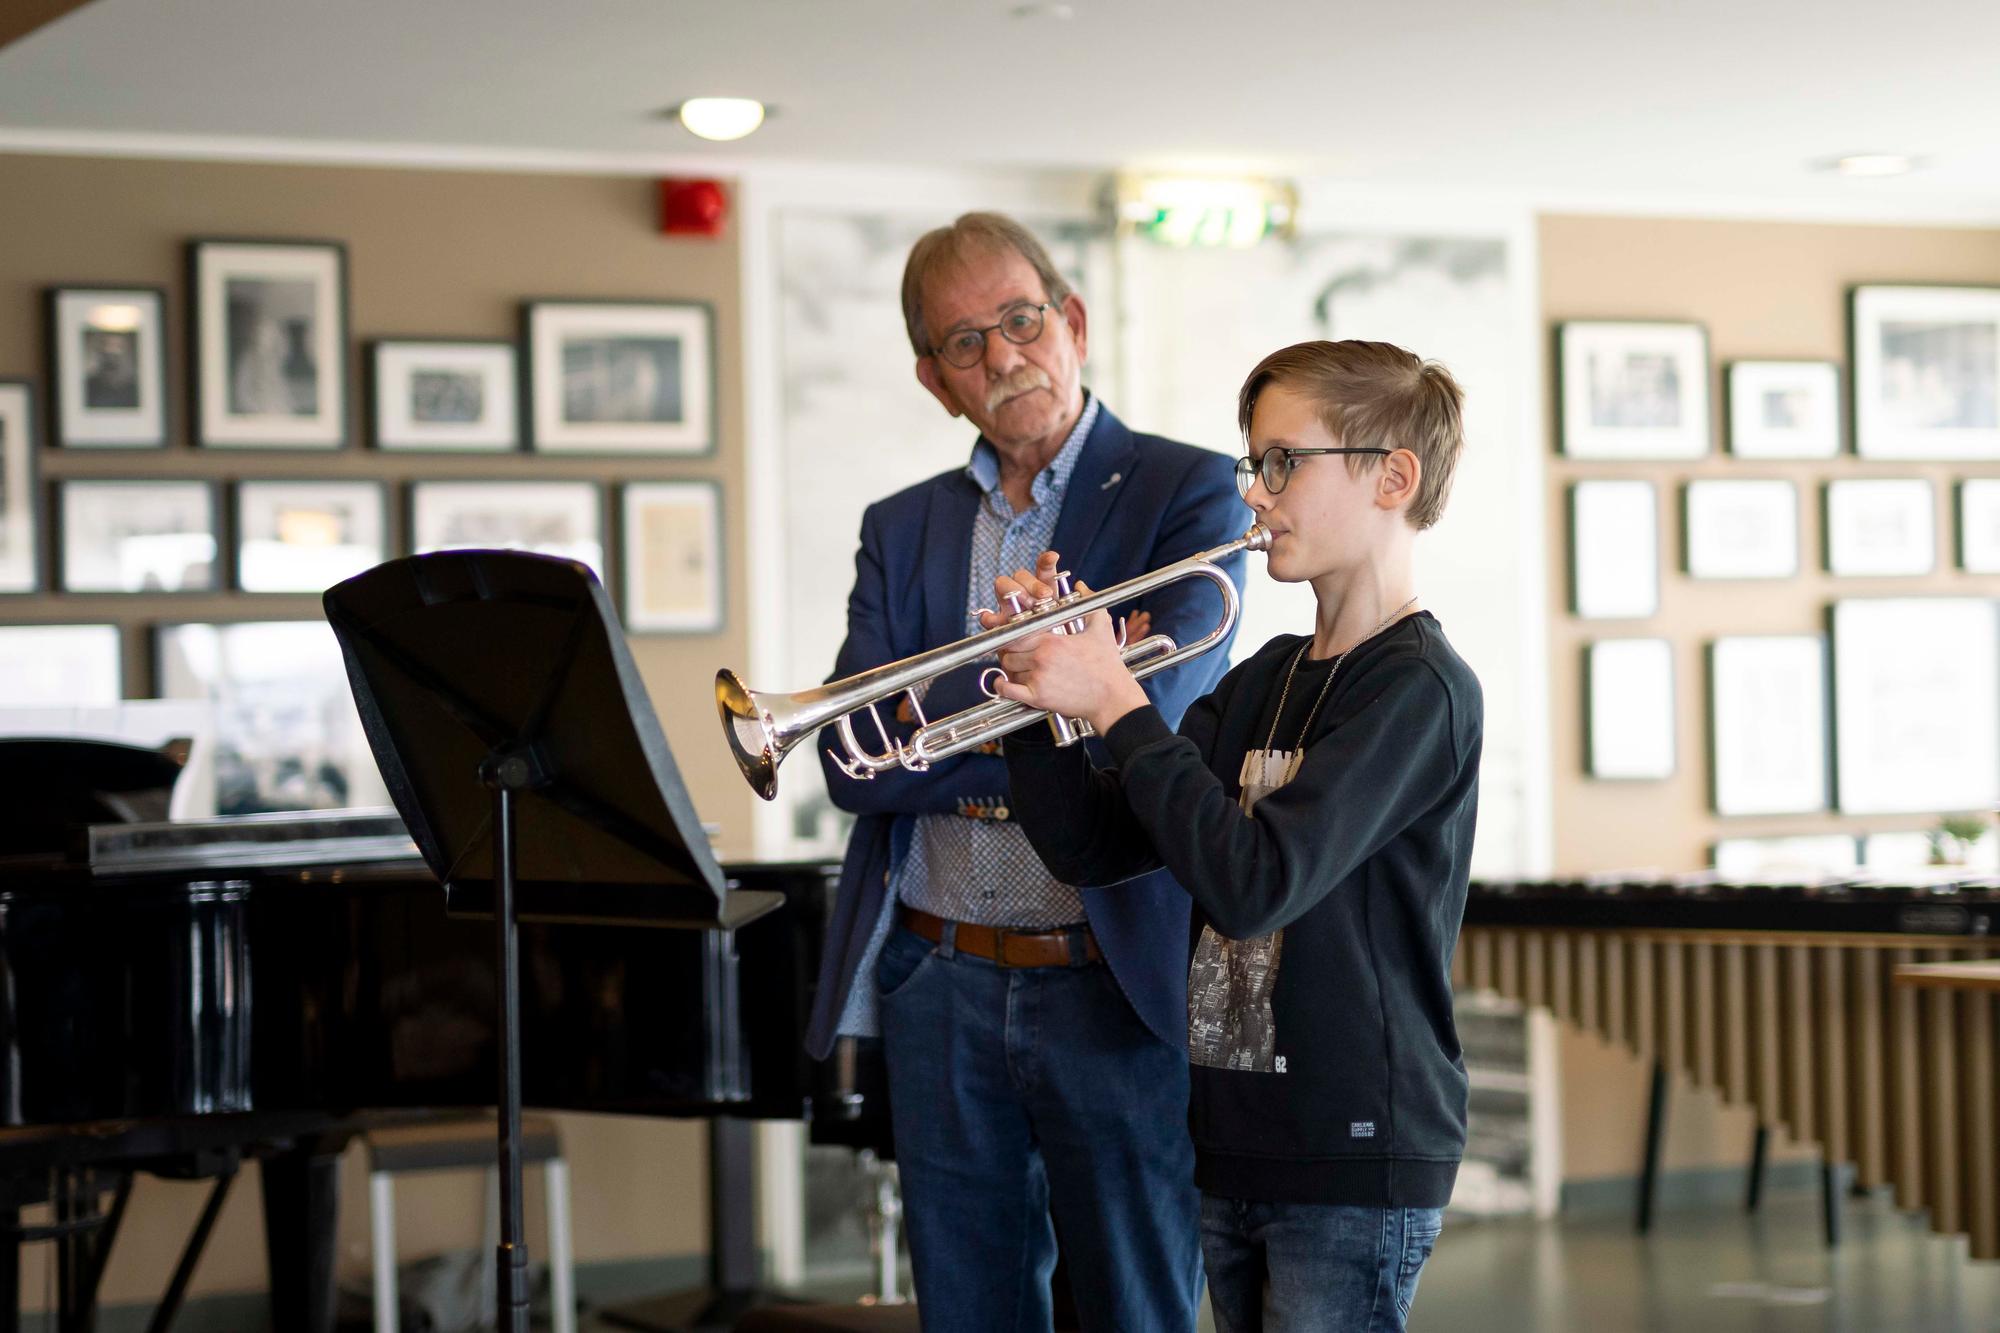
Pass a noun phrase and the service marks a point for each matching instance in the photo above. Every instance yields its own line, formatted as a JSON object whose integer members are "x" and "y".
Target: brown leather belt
{"x": 1009, "y": 948}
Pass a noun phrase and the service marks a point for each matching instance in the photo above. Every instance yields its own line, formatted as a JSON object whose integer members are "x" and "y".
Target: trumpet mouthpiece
{"x": 1258, "y": 538}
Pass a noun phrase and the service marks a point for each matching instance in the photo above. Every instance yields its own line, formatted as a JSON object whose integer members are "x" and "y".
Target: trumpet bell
{"x": 749, "y": 730}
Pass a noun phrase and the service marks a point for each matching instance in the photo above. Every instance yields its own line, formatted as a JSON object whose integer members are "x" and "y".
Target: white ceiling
{"x": 1711, "y": 98}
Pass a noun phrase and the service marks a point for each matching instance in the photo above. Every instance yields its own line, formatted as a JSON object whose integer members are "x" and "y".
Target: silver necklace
{"x": 1299, "y": 656}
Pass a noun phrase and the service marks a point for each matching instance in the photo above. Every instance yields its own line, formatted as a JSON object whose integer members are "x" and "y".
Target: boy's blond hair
{"x": 1374, "y": 396}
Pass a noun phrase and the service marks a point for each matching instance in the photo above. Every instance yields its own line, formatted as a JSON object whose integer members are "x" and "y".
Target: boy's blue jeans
{"x": 1313, "y": 1267}
{"x": 1019, "y": 1094}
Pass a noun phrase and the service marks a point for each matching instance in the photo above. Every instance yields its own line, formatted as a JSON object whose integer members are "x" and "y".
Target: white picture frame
{"x": 287, "y": 736}
{"x": 1783, "y": 409}
{"x": 1740, "y": 528}
{"x": 559, "y": 518}
{"x": 1880, "y": 527}
{"x": 1979, "y": 525}
{"x": 270, "y": 344}
{"x": 1614, "y": 549}
{"x": 1808, "y": 858}
{"x": 1767, "y": 724}
{"x": 107, "y": 367}
{"x": 1631, "y": 390}
{"x": 435, "y": 395}
{"x": 671, "y": 556}
{"x": 1629, "y": 709}
{"x": 61, "y": 666}
{"x": 138, "y": 536}
{"x": 307, "y": 535}
{"x": 621, "y": 377}
{"x": 20, "y": 490}
{"x": 1916, "y": 716}
{"x": 1926, "y": 371}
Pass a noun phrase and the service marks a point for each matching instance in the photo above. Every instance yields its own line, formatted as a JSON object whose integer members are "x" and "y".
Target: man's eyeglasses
{"x": 1274, "y": 466}
{"x": 1021, "y": 324}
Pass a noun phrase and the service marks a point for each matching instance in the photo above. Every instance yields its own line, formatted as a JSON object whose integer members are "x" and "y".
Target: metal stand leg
{"x": 1656, "y": 1123}
{"x": 1831, "y": 1177}
{"x": 562, "y": 1261}
{"x": 382, "y": 1248}
{"x": 163, "y": 1318}
{"x": 1759, "y": 1148}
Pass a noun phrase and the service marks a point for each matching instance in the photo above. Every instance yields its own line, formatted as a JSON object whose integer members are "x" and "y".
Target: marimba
{"x": 1782, "y": 999}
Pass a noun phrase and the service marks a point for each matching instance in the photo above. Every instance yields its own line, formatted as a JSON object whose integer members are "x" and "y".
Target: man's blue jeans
{"x": 1025, "y": 1094}
{"x": 1313, "y": 1267}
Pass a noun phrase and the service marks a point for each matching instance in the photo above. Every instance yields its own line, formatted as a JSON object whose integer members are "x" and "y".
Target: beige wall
{"x": 1762, "y": 290}
{"x": 429, "y": 253}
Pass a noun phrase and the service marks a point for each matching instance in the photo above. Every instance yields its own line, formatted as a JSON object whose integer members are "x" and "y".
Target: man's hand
{"x": 1077, "y": 675}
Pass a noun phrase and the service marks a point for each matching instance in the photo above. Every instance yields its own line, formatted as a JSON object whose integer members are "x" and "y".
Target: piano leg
{"x": 301, "y": 1211}
{"x": 10, "y": 1277}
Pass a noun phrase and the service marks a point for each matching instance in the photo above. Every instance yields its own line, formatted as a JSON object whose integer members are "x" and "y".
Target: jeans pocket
{"x": 903, "y": 959}
{"x": 1420, "y": 1232}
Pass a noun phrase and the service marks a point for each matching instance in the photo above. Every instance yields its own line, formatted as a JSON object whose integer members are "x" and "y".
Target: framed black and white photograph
{"x": 1783, "y": 409}
{"x": 137, "y": 536}
{"x": 671, "y": 556}
{"x": 1632, "y": 390}
{"x": 1740, "y": 529}
{"x": 107, "y": 367}
{"x": 1979, "y": 525}
{"x": 269, "y": 344}
{"x": 1614, "y": 550}
{"x": 60, "y": 666}
{"x": 621, "y": 377}
{"x": 561, "y": 518}
{"x": 1882, "y": 527}
{"x": 20, "y": 507}
{"x": 1926, "y": 371}
{"x": 306, "y": 536}
{"x": 287, "y": 735}
{"x": 1629, "y": 709}
{"x": 1767, "y": 724}
{"x": 1916, "y": 720}
{"x": 447, "y": 396}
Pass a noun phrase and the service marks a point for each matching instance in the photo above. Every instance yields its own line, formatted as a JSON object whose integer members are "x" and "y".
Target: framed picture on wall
{"x": 1804, "y": 859}
{"x": 1979, "y": 525}
{"x": 1628, "y": 687}
{"x": 287, "y": 736}
{"x": 671, "y": 556}
{"x": 1741, "y": 529}
{"x": 60, "y": 666}
{"x": 306, "y": 536}
{"x": 1614, "y": 550}
{"x": 449, "y": 396}
{"x": 1916, "y": 720}
{"x": 621, "y": 377}
{"x": 137, "y": 536}
{"x": 1783, "y": 409}
{"x": 1880, "y": 527}
{"x": 1767, "y": 724}
{"x": 560, "y": 518}
{"x": 1926, "y": 371}
{"x": 20, "y": 508}
{"x": 269, "y": 344}
{"x": 107, "y": 367}
{"x": 1631, "y": 390}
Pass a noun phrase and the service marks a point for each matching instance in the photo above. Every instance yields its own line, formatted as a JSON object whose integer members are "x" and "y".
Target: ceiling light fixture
{"x": 721, "y": 118}
{"x": 1870, "y": 164}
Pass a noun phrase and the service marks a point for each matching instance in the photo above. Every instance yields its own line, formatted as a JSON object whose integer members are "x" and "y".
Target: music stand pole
{"x": 504, "y": 773}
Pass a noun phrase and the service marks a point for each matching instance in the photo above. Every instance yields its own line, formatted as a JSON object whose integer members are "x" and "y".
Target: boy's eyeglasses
{"x": 1021, "y": 324}
{"x": 1274, "y": 466}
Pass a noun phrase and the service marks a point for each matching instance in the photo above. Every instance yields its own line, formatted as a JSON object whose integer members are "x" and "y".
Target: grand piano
{"x": 178, "y": 998}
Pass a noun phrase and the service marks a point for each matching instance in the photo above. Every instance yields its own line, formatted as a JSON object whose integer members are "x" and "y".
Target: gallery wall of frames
{"x": 201, "y": 432}
{"x": 1776, "y": 493}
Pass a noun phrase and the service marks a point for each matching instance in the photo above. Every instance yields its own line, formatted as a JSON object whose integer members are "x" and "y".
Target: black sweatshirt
{"x": 1325, "y": 1064}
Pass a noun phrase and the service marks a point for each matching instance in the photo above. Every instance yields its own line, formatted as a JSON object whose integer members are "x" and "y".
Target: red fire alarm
{"x": 692, "y": 207}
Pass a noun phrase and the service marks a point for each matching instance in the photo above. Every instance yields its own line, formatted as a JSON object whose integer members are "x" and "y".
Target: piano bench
{"x": 466, "y": 1143}
{"x": 830, "y": 1319}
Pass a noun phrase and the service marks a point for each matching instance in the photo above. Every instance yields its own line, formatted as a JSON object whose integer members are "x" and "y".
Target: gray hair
{"x": 970, "y": 234}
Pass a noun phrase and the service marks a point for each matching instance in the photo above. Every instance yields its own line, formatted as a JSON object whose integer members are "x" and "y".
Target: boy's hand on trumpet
{"x": 1079, "y": 675}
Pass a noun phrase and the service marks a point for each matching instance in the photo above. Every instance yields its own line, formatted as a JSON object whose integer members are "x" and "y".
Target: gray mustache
{"x": 1027, "y": 377}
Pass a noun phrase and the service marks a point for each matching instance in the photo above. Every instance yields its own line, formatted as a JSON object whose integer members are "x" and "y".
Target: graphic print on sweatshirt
{"x": 1230, "y": 983}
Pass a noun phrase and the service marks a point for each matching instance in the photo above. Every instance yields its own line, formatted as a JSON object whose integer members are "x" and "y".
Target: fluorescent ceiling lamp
{"x": 1871, "y": 164}
{"x": 721, "y": 118}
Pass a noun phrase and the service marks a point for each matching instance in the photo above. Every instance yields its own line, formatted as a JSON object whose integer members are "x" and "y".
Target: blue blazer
{"x": 1135, "y": 502}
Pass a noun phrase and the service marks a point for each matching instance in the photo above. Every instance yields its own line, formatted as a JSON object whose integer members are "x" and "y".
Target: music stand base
{"x": 697, "y": 1310}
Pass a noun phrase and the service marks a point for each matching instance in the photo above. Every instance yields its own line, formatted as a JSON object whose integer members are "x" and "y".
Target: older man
{"x": 1034, "y": 1032}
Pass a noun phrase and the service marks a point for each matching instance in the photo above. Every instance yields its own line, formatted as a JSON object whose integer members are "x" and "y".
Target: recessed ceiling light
{"x": 1870, "y": 164}
{"x": 1043, "y": 11}
{"x": 720, "y": 118}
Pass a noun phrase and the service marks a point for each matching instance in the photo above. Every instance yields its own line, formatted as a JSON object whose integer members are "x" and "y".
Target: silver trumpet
{"x": 763, "y": 728}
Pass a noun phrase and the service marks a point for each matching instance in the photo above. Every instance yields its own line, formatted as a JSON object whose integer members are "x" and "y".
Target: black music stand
{"x": 519, "y": 746}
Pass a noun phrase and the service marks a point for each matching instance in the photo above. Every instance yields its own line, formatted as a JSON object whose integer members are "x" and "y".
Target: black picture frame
{"x": 1581, "y": 436}
{"x": 415, "y": 537}
{"x": 245, "y": 527}
{"x": 77, "y": 423}
{"x": 390, "y": 432}
{"x": 65, "y": 533}
{"x": 251, "y": 412}
{"x": 687, "y": 427}
{"x": 640, "y": 616}
{"x": 14, "y": 652}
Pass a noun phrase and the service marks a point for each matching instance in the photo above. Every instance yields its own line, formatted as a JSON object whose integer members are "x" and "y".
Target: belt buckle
{"x": 1000, "y": 934}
